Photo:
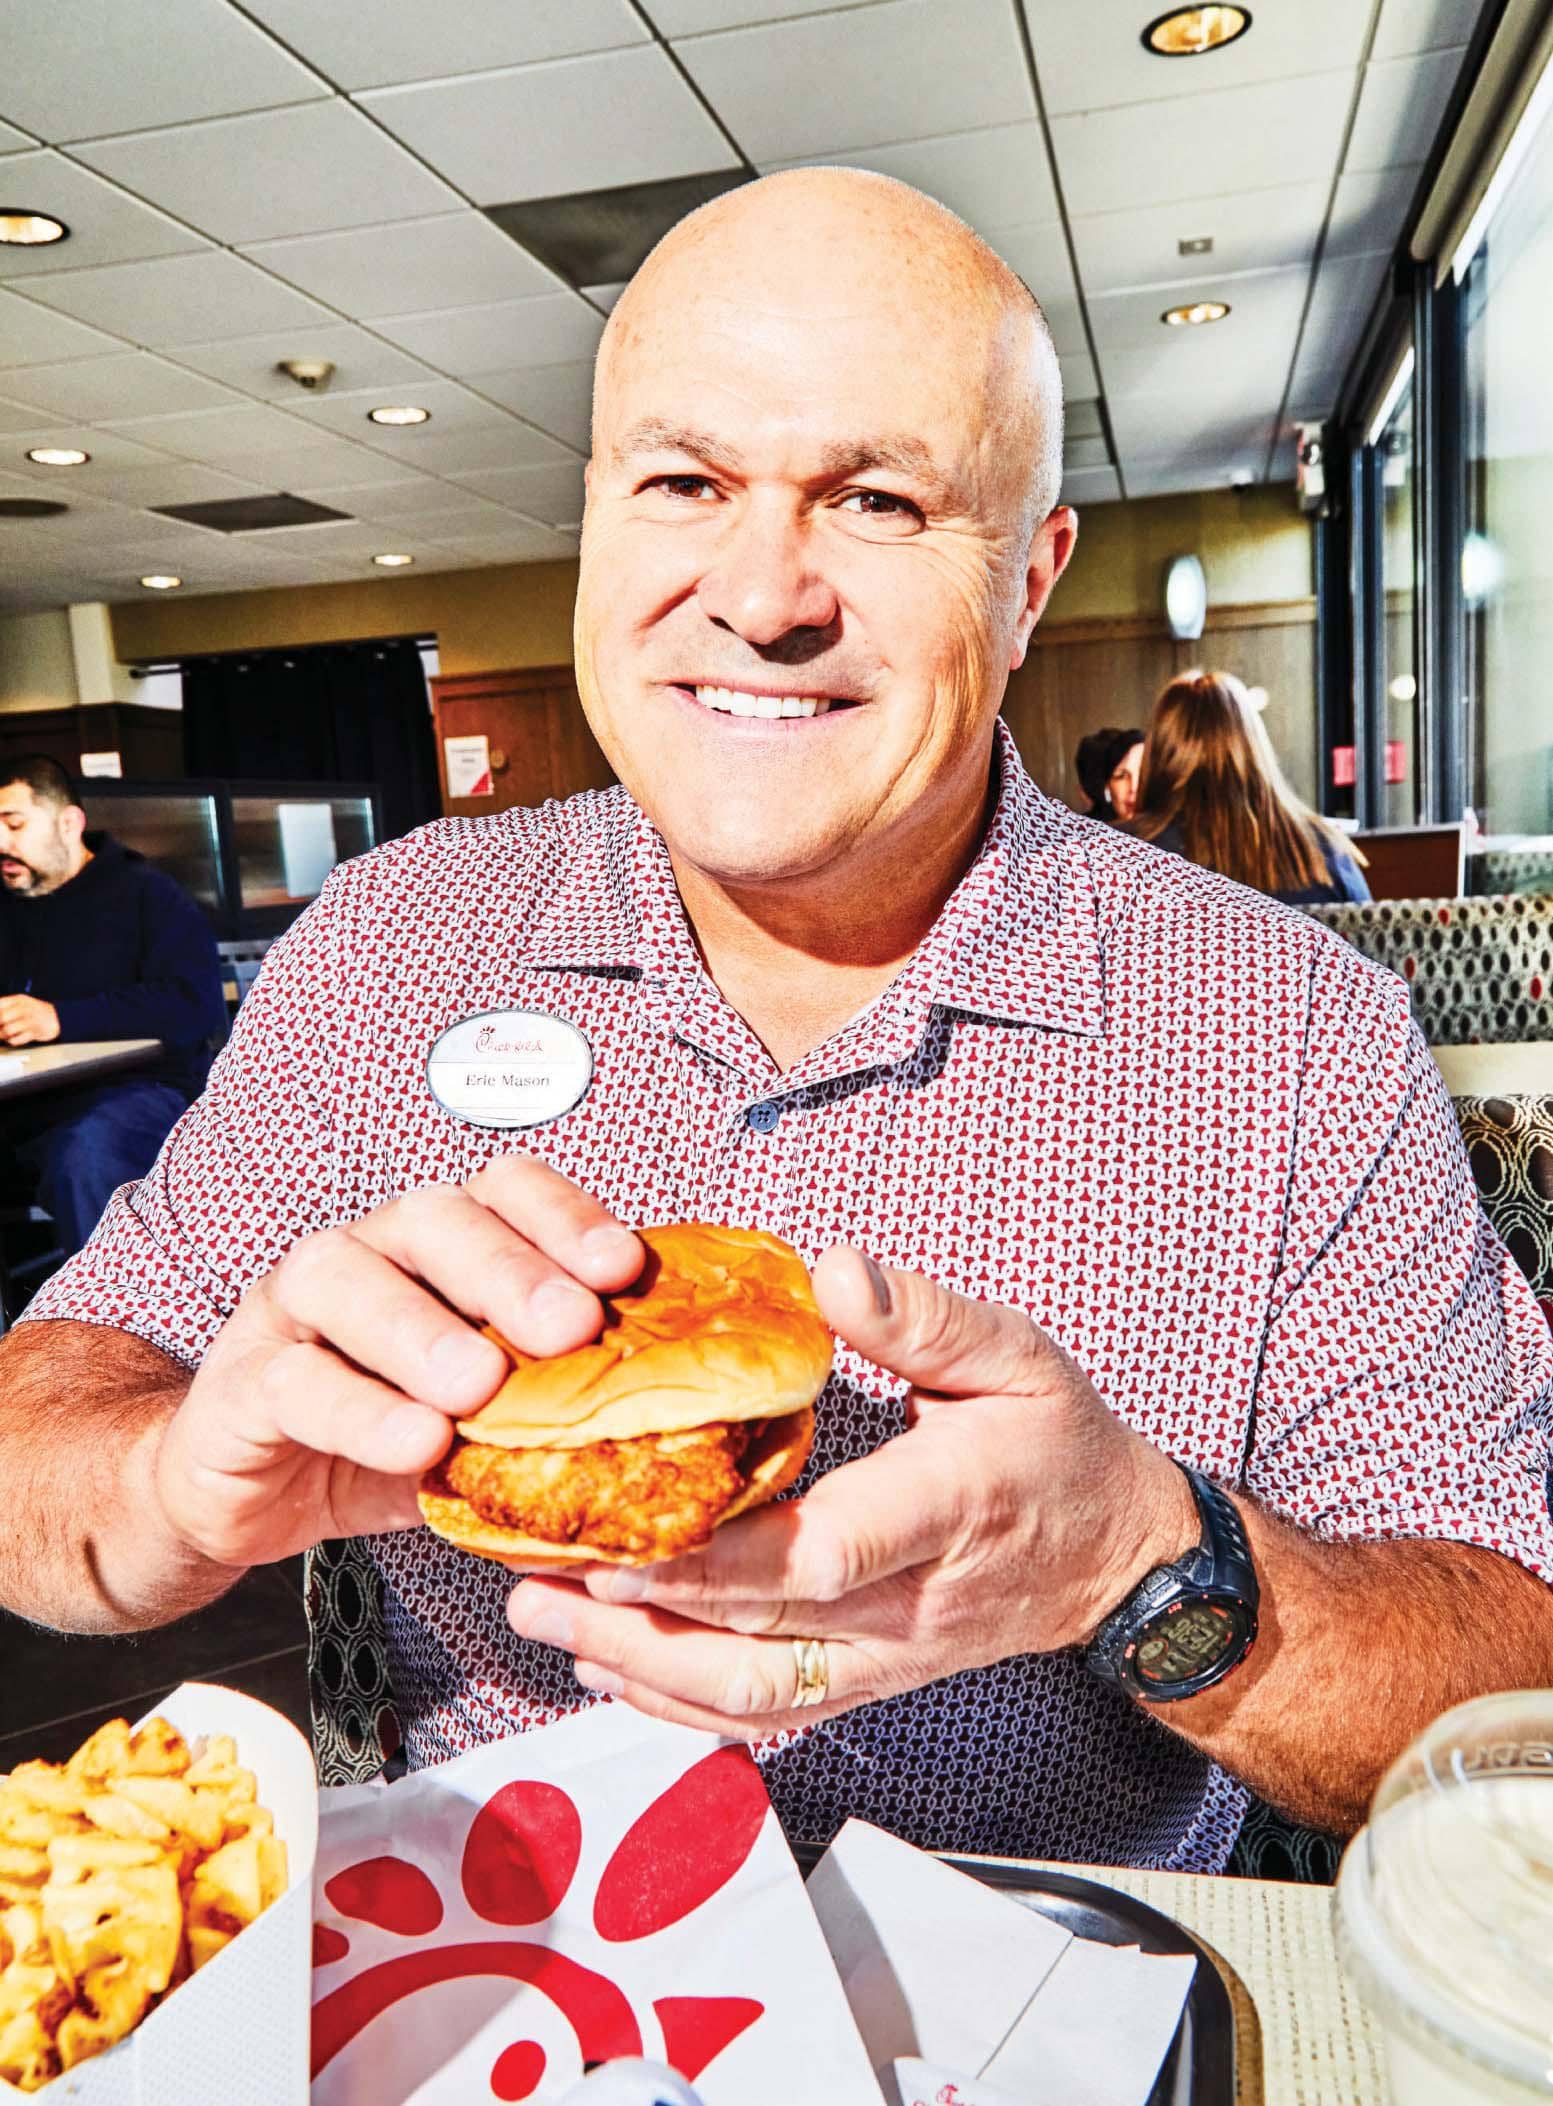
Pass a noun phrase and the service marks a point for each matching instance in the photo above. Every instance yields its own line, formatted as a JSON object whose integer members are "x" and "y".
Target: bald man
{"x": 1164, "y": 1307}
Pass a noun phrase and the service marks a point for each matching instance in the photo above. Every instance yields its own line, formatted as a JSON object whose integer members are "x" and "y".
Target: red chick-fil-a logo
{"x": 486, "y": 1041}
{"x": 520, "y": 1854}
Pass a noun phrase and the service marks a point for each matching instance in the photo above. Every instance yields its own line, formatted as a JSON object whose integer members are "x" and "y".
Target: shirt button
{"x": 762, "y": 1117}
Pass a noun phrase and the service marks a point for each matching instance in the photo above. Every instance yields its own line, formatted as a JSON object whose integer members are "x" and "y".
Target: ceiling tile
{"x": 1090, "y": 452}
{"x": 1082, "y": 420}
{"x": 330, "y": 540}
{"x": 1345, "y": 293}
{"x": 18, "y": 416}
{"x": 1264, "y": 306}
{"x": 14, "y": 142}
{"x": 1407, "y": 26}
{"x": 176, "y": 299}
{"x": 550, "y": 494}
{"x": 907, "y": 69}
{"x": 592, "y": 123}
{"x": 688, "y": 18}
{"x": 1400, "y": 107}
{"x": 413, "y": 497}
{"x": 1192, "y": 364}
{"x": 603, "y": 297}
{"x": 1250, "y": 230}
{"x": 1178, "y": 479}
{"x": 250, "y": 362}
{"x": 1090, "y": 486}
{"x": 553, "y": 329}
{"x": 559, "y": 399}
{"x": 347, "y": 411}
{"x": 325, "y": 167}
{"x": 500, "y": 447}
{"x": 455, "y": 260}
{"x": 36, "y": 336}
{"x": 79, "y": 72}
{"x": 1080, "y": 381}
{"x": 172, "y": 483}
{"x": 988, "y": 177}
{"x": 479, "y": 519}
{"x": 322, "y": 459}
{"x": 1169, "y": 427}
{"x": 1368, "y": 210}
{"x": 105, "y": 225}
{"x": 375, "y": 43}
{"x": 131, "y": 384}
{"x": 521, "y": 543}
{"x": 1093, "y": 57}
{"x": 1252, "y": 138}
{"x": 217, "y": 435}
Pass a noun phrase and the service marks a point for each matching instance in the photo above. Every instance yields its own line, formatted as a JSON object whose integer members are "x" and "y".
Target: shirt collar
{"x": 1018, "y": 938}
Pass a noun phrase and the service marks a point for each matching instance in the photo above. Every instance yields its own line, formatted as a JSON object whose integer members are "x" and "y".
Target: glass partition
{"x": 288, "y": 842}
{"x": 177, "y": 830}
{"x": 1399, "y": 668}
{"x": 1507, "y": 552}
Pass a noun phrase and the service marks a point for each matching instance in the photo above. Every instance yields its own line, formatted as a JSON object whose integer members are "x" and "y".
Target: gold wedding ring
{"x": 811, "y": 1664}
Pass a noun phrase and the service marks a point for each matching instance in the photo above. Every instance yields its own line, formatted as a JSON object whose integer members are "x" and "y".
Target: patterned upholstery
{"x": 355, "y": 1729}
{"x": 1510, "y": 1146}
{"x": 1480, "y": 970}
{"x": 1510, "y": 870}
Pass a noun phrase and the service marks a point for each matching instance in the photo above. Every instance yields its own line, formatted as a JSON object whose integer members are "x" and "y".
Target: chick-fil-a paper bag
{"x": 601, "y": 1887}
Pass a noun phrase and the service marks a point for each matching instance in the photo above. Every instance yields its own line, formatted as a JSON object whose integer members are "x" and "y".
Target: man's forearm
{"x": 85, "y": 1547}
{"x": 1360, "y": 1646}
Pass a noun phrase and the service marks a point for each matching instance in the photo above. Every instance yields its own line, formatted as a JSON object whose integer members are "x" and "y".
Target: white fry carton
{"x": 236, "y": 2032}
{"x": 606, "y": 1886}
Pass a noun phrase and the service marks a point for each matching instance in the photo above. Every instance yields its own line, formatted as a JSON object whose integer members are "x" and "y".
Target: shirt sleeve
{"x": 246, "y": 1171}
{"x": 1406, "y": 1380}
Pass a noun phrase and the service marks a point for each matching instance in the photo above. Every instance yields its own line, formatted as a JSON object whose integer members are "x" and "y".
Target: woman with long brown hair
{"x": 1213, "y": 791}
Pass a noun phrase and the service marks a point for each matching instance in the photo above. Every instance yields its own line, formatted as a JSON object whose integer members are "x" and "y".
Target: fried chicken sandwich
{"x": 694, "y": 1405}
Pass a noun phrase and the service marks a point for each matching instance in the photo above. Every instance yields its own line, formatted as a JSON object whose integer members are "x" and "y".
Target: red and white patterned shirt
{"x": 1193, "y": 1134}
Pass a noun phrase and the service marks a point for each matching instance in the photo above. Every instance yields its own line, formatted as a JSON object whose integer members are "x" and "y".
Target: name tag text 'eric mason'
{"x": 510, "y": 1067}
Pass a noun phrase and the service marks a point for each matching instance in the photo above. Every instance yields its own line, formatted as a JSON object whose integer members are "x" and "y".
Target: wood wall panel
{"x": 1081, "y": 675}
{"x": 533, "y": 719}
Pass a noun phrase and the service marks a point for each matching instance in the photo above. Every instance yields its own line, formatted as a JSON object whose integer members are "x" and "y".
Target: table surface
{"x": 1304, "y": 2036}
{"x": 24, "y": 1068}
{"x": 1523, "y": 1069}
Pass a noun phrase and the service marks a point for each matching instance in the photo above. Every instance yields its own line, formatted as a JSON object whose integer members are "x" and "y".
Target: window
{"x": 1507, "y": 552}
{"x": 1400, "y": 799}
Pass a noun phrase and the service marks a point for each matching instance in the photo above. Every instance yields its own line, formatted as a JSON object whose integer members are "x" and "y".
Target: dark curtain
{"x": 330, "y": 713}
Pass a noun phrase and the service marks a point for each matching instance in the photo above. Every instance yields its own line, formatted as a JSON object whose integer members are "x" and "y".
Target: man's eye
{"x": 879, "y": 504}
{"x": 687, "y": 486}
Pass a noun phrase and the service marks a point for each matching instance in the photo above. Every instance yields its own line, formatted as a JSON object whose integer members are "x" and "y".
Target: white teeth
{"x": 732, "y": 701}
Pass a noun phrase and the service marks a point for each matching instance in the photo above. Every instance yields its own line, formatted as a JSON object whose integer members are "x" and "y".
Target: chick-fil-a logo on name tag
{"x": 510, "y": 1067}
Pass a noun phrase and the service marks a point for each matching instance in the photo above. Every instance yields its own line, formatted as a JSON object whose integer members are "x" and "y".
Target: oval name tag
{"x": 510, "y": 1067}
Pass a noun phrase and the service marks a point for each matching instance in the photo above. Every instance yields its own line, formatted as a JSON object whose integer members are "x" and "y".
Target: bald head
{"x": 838, "y": 243}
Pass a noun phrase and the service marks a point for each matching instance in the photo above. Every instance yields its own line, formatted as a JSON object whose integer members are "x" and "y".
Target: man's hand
{"x": 335, "y": 1382}
{"x": 1014, "y": 1514}
{"x": 25, "y": 1021}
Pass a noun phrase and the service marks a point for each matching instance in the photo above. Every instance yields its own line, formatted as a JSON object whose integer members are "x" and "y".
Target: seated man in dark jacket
{"x": 95, "y": 943}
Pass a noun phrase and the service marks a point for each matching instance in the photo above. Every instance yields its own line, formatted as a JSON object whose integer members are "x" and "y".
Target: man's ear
{"x": 1054, "y": 543}
{"x": 72, "y": 824}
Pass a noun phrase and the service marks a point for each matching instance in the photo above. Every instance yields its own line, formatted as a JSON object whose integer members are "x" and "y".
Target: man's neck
{"x": 800, "y": 958}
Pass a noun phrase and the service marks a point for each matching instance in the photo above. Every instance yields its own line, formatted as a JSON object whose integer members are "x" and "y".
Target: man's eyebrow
{"x": 902, "y": 453}
{"x": 657, "y": 435}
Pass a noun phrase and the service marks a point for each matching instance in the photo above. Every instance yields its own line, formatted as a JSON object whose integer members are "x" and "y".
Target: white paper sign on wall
{"x": 102, "y": 764}
{"x": 510, "y": 1067}
{"x": 469, "y": 766}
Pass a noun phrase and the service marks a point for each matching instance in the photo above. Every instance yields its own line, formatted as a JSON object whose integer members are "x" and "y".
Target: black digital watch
{"x": 1187, "y": 1625}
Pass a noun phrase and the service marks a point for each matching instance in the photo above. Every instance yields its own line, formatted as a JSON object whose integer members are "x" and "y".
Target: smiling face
{"x": 817, "y": 533}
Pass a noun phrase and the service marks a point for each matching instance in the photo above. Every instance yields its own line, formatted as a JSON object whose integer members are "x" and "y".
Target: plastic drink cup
{"x": 1444, "y": 1908}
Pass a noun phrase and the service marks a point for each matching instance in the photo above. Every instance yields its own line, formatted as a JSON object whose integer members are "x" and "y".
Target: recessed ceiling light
{"x": 392, "y": 562}
{"x": 58, "y": 456}
{"x": 30, "y": 230}
{"x": 1192, "y": 317}
{"x": 160, "y": 581}
{"x": 1187, "y": 32}
{"x": 399, "y": 413}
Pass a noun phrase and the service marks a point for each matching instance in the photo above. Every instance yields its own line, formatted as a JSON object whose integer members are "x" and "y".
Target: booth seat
{"x": 1480, "y": 970}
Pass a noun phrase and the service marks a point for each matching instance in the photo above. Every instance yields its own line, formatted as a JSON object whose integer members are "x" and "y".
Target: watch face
{"x": 1188, "y": 1640}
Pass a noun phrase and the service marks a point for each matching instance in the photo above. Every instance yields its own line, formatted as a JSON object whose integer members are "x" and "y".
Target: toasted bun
{"x": 722, "y": 1324}
{"x": 773, "y": 1462}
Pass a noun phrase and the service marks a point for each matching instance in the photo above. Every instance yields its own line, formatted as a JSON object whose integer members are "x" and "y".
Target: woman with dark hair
{"x": 1213, "y": 791}
{"x": 1107, "y": 764}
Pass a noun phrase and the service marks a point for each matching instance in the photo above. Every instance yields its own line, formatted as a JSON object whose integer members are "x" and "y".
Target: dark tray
{"x": 1200, "y": 2067}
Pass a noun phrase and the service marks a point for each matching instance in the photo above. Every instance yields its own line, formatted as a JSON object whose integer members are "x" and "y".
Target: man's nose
{"x": 766, "y": 582}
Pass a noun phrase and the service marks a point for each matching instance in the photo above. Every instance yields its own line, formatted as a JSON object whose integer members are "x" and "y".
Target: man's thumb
{"x": 938, "y": 1341}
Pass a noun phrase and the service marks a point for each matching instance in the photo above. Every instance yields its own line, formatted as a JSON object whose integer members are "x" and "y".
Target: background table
{"x": 1524, "y": 1069}
{"x": 1304, "y": 2036}
{"x": 27, "y": 1068}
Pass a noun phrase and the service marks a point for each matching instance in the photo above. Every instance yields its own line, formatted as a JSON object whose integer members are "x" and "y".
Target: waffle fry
{"x": 121, "y": 1872}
